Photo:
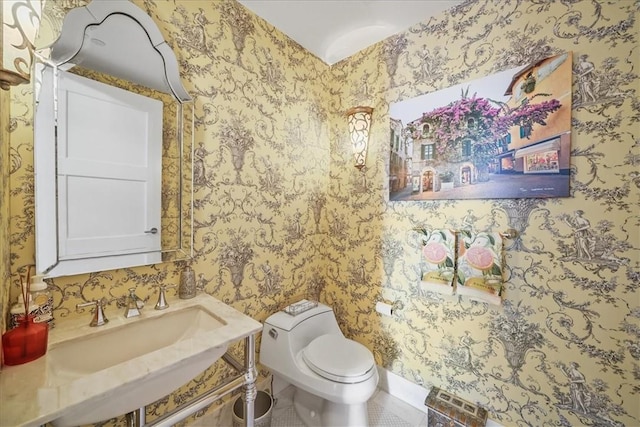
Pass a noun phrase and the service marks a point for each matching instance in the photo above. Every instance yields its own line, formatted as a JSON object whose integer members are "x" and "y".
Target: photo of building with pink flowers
{"x": 503, "y": 136}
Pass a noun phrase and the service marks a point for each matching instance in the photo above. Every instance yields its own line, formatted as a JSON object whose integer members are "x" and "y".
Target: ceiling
{"x": 336, "y": 29}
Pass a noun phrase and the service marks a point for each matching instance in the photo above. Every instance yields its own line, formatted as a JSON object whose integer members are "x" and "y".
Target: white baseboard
{"x": 408, "y": 392}
{"x": 278, "y": 385}
{"x": 491, "y": 423}
{"x": 402, "y": 389}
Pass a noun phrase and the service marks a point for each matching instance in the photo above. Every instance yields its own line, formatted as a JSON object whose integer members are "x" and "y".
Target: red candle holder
{"x": 26, "y": 342}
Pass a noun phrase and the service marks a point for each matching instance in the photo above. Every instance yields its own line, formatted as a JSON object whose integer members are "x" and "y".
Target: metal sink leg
{"x": 250, "y": 375}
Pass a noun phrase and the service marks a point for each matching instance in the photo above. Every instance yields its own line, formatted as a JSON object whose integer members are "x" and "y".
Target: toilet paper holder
{"x": 388, "y": 308}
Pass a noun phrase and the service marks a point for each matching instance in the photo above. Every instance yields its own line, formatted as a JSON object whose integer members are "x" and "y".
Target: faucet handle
{"x": 99, "y": 318}
{"x": 134, "y": 304}
{"x": 162, "y": 300}
{"x": 133, "y": 297}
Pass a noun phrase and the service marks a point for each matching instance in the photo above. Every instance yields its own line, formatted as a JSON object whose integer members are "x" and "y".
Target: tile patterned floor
{"x": 384, "y": 411}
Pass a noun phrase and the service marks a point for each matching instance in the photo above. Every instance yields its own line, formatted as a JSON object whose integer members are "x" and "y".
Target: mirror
{"x": 113, "y": 146}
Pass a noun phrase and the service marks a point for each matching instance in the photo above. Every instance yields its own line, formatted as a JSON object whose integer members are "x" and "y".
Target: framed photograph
{"x": 507, "y": 135}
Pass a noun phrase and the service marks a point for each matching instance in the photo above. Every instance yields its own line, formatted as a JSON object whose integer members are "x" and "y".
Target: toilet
{"x": 333, "y": 376}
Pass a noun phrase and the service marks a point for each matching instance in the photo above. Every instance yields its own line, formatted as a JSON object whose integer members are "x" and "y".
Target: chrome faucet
{"x": 99, "y": 318}
{"x": 162, "y": 300}
{"x": 134, "y": 304}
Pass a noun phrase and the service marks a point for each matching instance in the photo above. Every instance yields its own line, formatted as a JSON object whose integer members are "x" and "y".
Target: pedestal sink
{"x": 84, "y": 356}
{"x": 91, "y": 374}
{"x": 105, "y": 348}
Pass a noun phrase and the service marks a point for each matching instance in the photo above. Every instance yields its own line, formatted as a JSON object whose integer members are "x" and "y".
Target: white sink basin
{"x": 109, "y": 348}
{"x": 91, "y": 374}
{"x": 103, "y": 349}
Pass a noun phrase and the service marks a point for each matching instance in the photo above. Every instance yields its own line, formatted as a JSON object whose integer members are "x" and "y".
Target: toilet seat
{"x": 339, "y": 359}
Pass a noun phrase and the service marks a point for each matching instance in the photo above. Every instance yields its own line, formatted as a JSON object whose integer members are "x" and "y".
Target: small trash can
{"x": 263, "y": 407}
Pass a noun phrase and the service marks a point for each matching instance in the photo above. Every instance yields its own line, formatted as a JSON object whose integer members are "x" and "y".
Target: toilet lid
{"x": 339, "y": 359}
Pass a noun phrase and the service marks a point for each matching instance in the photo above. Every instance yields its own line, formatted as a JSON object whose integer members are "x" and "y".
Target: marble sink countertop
{"x": 34, "y": 394}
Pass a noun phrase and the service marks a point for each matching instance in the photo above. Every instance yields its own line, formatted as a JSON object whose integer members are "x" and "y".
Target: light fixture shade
{"x": 20, "y": 24}
{"x": 359, "y": 119}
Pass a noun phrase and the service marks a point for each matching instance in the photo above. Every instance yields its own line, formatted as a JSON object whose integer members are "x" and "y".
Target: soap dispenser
{"x": 187, "y": 288}
{"x": 41, "y": 297}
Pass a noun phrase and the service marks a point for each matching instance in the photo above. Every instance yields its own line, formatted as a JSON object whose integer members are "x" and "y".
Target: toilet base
{"x": 317, "y": 412}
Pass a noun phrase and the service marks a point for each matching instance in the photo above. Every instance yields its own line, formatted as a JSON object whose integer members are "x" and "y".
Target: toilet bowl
{"x": 334, "y": 376}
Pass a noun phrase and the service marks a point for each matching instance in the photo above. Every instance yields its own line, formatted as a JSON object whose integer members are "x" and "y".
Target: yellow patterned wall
{"x": 281, "y": 213}
{"x": 5, "y": 264}
{"x": 262, "y": 160}
{"x": 564, "y": 347}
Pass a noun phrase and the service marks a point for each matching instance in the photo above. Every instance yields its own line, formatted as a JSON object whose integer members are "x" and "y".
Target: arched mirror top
{"x": 119, "y": 39}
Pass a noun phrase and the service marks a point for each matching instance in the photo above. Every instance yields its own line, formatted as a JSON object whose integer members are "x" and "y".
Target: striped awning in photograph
{"x": 551, "y": 145}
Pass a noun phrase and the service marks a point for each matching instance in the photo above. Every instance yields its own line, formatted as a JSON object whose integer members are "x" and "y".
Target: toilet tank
{"x": 285, "y": 335}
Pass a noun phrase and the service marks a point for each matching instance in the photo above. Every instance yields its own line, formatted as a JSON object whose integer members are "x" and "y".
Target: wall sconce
{"x": 359, "y": 119}
{"x": 20, "y": 24}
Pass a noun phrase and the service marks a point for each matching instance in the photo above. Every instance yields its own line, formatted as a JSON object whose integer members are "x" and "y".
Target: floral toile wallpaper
{"x": 5, "y": 251}
{"x": 281, "y": 213}
{"x": 563, "y": 349}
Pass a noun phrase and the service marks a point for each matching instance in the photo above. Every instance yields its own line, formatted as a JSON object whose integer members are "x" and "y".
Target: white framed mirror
{"x": 113, "y": 146}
